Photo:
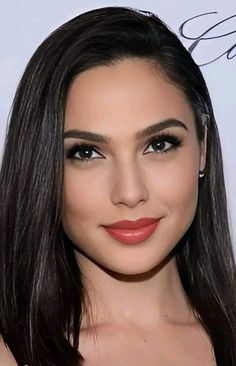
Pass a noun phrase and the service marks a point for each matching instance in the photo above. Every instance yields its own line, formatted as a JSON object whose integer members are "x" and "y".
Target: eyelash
{"x": 167, "y": 137}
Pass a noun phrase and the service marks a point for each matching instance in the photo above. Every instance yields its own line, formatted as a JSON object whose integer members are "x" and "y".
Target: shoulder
{"x": 6, "y": 358}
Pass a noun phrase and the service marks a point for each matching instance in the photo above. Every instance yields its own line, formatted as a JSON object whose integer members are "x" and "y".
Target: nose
{"x": 129, "y": 187}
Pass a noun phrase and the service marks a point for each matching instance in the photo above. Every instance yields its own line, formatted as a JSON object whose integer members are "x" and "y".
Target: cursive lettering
{"x": 230, "y": 53}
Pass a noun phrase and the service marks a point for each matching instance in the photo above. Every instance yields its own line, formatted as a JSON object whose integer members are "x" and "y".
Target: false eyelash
{"x": 165, "y": 137}
{"x": 78, "y": 147}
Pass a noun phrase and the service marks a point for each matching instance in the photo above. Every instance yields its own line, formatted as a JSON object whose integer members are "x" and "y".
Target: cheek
{"x": 82, "y": 195}
{"x": 181, "y": 186}
{"x": 183, "y": 193}
{"x": 177, "y": 184}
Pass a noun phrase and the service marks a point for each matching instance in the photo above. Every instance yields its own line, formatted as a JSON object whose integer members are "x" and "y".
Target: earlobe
{"x": 203, "y": 152}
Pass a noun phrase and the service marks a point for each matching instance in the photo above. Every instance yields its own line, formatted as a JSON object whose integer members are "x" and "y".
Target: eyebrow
{"x": 95, "y": 137}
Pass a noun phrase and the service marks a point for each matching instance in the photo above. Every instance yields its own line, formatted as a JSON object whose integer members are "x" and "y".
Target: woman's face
{"x": 128, "y": 174}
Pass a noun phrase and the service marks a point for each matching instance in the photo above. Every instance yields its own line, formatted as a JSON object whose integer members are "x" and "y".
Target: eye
{"x": 163, "y": 143}
{"x": 83, "y": 153}
{"x": 160, "y": 144}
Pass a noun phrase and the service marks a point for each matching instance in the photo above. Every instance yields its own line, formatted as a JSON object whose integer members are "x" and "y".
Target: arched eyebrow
{"x": 150, "y": 130}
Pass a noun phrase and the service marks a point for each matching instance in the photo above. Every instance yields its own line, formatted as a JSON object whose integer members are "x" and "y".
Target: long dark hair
{"x": 41, "y": 287}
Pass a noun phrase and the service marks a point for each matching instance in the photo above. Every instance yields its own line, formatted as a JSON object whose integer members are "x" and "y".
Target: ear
{"x": 203, "y": 152}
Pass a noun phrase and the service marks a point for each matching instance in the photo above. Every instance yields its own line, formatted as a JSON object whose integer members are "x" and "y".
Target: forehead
{"x": 124, "y": 97}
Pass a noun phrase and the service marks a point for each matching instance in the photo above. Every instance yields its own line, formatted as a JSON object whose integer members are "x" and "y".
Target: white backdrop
{"x": 211, "y": 37}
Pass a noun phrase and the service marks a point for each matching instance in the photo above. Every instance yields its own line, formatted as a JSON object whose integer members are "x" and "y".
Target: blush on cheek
{"x": 81, "y": 204}
{"x": 180, "y": 191}
{"x": 187, "y": 201}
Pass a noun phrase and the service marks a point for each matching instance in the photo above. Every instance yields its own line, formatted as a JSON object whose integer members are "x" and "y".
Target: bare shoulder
{"x": 6, "y": 358}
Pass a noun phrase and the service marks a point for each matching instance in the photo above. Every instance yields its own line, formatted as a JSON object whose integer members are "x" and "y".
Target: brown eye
{"x": 163, "y": 144}
{"x": 160, "y": 146}
{"x": 82, "y": 152}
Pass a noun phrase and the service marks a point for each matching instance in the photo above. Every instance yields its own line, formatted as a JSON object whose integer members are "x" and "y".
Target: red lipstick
{"x": 132, "y": 232}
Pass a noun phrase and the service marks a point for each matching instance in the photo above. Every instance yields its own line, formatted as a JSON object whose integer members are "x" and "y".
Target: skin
{"x": 135, "y": 291}
{"x": 138, "y": 309}
{"x": 6, "y": 358}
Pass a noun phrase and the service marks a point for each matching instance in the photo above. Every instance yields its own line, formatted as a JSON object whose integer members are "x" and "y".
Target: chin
{"x": 138, "y": 268}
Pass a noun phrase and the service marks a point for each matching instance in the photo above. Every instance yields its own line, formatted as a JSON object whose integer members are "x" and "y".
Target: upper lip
{"x": 127, "y": 224}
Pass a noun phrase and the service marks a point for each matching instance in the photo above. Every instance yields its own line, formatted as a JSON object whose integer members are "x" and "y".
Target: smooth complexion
{"x": 139, "y": 309}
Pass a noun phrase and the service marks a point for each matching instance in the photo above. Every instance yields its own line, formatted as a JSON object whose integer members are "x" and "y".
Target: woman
{"x": 115, "y": 245}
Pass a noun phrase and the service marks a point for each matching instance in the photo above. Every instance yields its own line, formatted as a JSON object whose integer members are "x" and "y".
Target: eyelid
{"x": 72, "y": 150}
{"x": 89, "y": 144}
{"x": 169, "y": 137}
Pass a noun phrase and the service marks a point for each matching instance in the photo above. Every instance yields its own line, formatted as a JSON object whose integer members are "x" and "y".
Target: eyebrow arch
{"x": 95, "y": 137}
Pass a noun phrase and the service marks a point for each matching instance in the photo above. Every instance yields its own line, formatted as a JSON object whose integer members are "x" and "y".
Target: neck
{"x": 141, "y": 299}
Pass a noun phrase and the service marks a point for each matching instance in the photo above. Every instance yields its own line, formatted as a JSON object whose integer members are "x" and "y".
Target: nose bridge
{"x": 129, "y": 186}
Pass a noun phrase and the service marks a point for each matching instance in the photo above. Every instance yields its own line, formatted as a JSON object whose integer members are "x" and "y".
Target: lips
{"x": 132, "y": 232}
{"x": 127, "y": 224}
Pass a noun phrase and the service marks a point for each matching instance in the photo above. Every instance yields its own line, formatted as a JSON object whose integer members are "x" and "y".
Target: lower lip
{"x": 132, "y": 236}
